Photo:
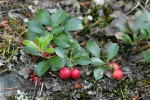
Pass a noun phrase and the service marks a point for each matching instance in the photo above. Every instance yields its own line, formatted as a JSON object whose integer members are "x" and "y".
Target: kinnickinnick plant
{"x": 55, "y": 44}
{"x": 49, "y": 36}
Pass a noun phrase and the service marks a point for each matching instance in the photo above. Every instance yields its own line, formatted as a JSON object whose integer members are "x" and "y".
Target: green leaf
{"x": 42, "y": 67}
{"x": 55, "y": 68}
{"x": 144, "y": 34}
{"x": 56, "y": 30}
{"x": 76, "y": 54}
{"x": 29, "y": 44}
{"x": 61, "y": 52}
{"x": 112, "y": 50}
{"x": 57, "y": 61}
{"x": 146, "y": 55}
{"x": 32, "y": 51}
{"x": 44, "y": 17}
{"x": 35, "y": 26}
{"x": 58, "y": 17}
{"x": 127, "y": 39}
{"x": 73, "y": 24}
{"x": 83, "y": 60}
{"x": 97, "y": 61}
{"x": 74, "y": 44}
{"x": 62, "y": 41}
{"x": 46, "y": 40}
{"x": 31, "y": 35}
{"x": 98, "y": 73}
{"x": 93, "y": 48}
{"x": 49, "y": 50}
{"x": 37, "y": 41}
{"x": 143, "y": 22}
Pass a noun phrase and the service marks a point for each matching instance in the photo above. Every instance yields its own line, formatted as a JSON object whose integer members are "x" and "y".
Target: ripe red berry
{"x": 117, "y": 74}
{"x": 36, "y": 79}
{"x": 65, "y": 73}
{"x": 115, "y": 66}
{"x": 75, "y": 73}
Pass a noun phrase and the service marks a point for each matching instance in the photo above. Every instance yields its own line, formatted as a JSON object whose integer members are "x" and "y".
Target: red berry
{"x": 115, "y": 66}
{"x": 36, "y": 79}
{"x": 117, "y": 74}
{"x": 65, "y": 73}
{"x": 75, "y": 73}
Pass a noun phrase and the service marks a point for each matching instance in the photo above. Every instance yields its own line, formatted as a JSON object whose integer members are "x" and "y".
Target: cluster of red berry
{"x": 117, "y": 73}
{"x": 65, "y": 73}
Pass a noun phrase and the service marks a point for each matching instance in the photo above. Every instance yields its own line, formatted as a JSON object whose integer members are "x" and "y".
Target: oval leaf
{"x": 32, "y": 51}
{"x": 44, "y": 17}
{"x": 46, "y": 40}
{"x": 73, "y": 24}
{"x": 97, "y": 61}
{"x": 83, "y": 60}
{"x": 93, "y": 48}
{"x": 147, "y": 55}
{"x": 61, "y": 52}
{"x": 49, "y": 50}
{"x": 58, "y": 17}
{"x": 98, "y": 73}
{"x": 76, "y": 54}
{"x": 42, "y": 67}
{"x": 35, "y": 26}
{"x": 127, "y": 39}
{"x": 112, "y": 50}
{"x": 30, "y": 35}
{"x": 29, "y": 44}
{"x": 57, "y": 61}
{"x": 62, "y": 41}
{"x": 56, "y": 30}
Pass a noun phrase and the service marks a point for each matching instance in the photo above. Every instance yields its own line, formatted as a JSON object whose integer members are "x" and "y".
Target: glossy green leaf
{"x": 29, "y": 44}
{"x": 42, "y": 67}
{"x": 44, "y": 17}
{"x": 98, "y": 73}
{"x": 61, "y": 52}
{"x": 31, "y": 51}
{"x": 56, "y": 30}
{"x": 35, "y": 26}
{"x": 55, "y": 68}
{"x": 49, "y": 50}
{"x": 112, "y": 50}
{"x": 83, "y": 60}
{"x": 58, "y": 17}
{"x": 76, "y": 54}
{"x": 73, "y": 24}
{"x": 62, "y": 41}
{"x": 30, "y": 35}
{"x": 146, "y": 55}
{"x": 46, "y": 40}
{"x": 144, "y": 34}
{"x": 37, "y": 41}
{"x": 127, "y": 39}
{"x": 93, "y": 48}
{"x": 97, "y": 61}
{"x": 57, "y": 61}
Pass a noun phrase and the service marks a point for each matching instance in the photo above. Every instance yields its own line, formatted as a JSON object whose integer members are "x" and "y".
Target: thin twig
{"x": 34, "y": 91}
{"x": 143, "y": 8}
{"x": 41, "y": 89}
{"x": 138, "y": 3}
{"x": 146, "y": 3}
{"x": 10, "y": 88}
